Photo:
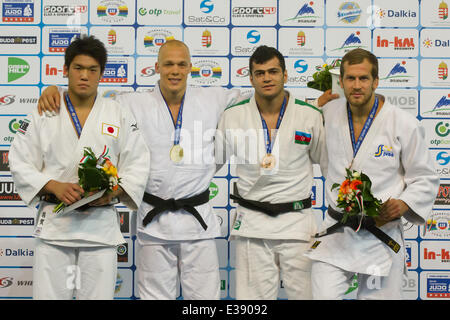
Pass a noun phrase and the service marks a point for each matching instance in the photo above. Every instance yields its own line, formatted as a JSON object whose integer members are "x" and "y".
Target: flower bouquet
{"x": 95, "y": 174}
{"x": 355, "y": 196}
{"x": 323, "y": 77}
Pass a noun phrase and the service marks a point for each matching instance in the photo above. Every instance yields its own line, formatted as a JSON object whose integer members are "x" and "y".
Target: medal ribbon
{"x": 367, "y": 124}
{"x": 73, "y": 114}
{"x": 268, "y": 142}
{"x": 179, "y": 119}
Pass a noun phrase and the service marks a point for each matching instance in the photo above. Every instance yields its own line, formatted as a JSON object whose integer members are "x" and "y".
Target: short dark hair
{"x": 357, "y": 56}
{"x": 263, "y": 54}
{"x": 87, "y": 45}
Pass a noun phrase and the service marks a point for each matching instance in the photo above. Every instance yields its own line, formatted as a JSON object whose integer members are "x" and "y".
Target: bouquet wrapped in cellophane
{"x": 355, "y": 196}
{"x": 95, "y": 174}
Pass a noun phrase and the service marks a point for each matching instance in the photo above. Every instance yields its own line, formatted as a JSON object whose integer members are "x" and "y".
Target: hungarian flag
{"x": 302, "y": 137}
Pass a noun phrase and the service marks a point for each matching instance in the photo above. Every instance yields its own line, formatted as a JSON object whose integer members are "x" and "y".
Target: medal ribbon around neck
{"x": 268, "y": 141}
{"x": 73, "y": 115}
{"x": 357, "y": 144}
{"x": 179, "y": 122}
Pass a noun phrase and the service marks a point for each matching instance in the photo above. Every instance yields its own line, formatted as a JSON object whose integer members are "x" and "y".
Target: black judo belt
{"x": 368, "y": 223}
{"x": 271, "y": 209}
{"x": 187, "y": 204}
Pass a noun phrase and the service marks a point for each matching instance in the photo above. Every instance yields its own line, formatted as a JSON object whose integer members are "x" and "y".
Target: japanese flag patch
{"x": 110, "y": 130}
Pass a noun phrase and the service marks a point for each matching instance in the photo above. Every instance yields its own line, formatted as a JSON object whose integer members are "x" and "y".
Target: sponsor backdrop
{"x": 411, "y": 38}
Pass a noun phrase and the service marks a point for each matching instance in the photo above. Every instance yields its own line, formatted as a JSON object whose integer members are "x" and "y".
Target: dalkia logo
{"x": 17, "y": 68}
{"x": 16, "y": 252}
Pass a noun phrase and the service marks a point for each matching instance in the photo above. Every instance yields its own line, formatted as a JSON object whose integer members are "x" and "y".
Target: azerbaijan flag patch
{"x": 302, "y": 137}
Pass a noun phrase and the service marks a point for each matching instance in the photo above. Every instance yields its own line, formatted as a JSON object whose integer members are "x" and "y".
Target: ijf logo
{"x": 112, "y": 11}
{"x": 438, "y": 225}
{"x": 206, "y": 72}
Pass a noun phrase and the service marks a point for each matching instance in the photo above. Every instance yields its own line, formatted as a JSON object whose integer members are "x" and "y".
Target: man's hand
{"x": 106, "y": 198}
{"x": 65, "y": 192}
{"x": 391, "y": 210}
{"x": 326, "y": 97}
{"x": 49, "y": 101}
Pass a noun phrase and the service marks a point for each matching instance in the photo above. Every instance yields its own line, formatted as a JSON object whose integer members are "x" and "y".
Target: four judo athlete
{"x": 44, "y": 156}
{"x": 366, "y": 133}
{"x": 176, "y": 226}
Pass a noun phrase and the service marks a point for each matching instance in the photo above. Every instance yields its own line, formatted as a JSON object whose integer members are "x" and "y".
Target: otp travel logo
{"x": 14, "y": 11}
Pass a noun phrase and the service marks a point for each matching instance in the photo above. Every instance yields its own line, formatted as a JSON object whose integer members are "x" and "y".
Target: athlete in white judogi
{"x": 394, "y": 155}
{"x": 275, "y": 174}
{"x": 77, "y": 249}
{"x": 175, "y": 241}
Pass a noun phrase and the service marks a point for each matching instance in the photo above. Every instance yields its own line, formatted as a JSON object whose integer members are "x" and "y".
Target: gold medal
{"x": 268, "y": 162}
{"x": 176, "y": 153}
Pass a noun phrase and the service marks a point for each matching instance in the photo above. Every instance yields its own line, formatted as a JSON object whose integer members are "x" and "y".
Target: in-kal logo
{"x": 64, "y": 10}
{"x": 438, "y": 225}
{"x": 398, "y": 73}
{"x": 441, "y": 108}
{"x": 353, "y": 41}
{"x": 305, "y": 14}
{"x": 443, "y": 71}
{"x": 18, "y": 40}
{"x": 398, "y": 43}
{"x": 443, "y": 11}
{"x": 115, "y": 73}
{"x": 112, "y": 11}
{"x": 206, "y": 72}
{"x": 442, "y": 256}
{"x": 438, "y": 285}
{"x": 15, "y": 11}
{"x": 59, "y": 41}
{"x": 349, "y": 12}
{"x": 253, "y": 12}
{"x": 7, "y": 100}
{"x": 53, "y": 71}
{"x": 8, "y": 191}
{"x": 206, "y": 39}
{"x": 17, "y": 68}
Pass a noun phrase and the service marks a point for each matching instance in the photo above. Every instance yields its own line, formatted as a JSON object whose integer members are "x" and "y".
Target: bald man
{"x": 176, "y": 226}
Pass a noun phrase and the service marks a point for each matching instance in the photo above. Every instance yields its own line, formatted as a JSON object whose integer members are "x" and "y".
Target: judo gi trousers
{"x": 195, "y": 262}
{"x": 330, "y": 282}
{"x": 60, "y": 273}
{"x": 259, "y": 263}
